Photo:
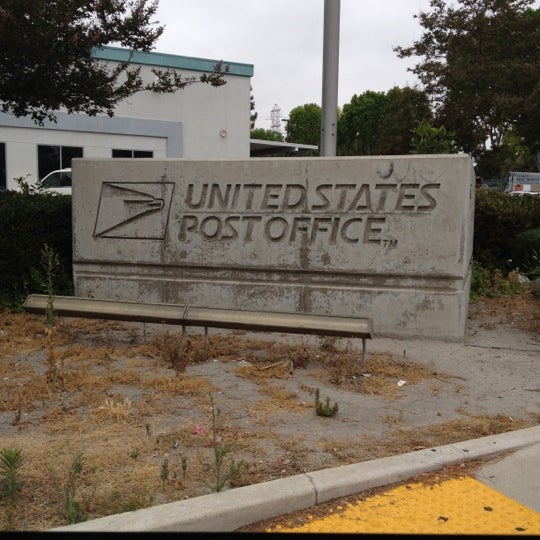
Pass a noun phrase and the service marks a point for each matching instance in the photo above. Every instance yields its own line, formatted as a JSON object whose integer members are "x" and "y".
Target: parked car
{"x": 525, "y": 189}
{"x": 58, "y": 181}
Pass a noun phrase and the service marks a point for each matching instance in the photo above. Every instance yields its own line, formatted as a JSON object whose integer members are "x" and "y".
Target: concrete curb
{"x": 229, "y": 510}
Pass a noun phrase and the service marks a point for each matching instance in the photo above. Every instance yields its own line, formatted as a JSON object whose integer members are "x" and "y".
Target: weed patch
{"x": 150, "y": 434}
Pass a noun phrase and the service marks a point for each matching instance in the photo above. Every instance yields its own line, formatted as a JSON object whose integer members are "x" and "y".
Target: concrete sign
{"x": 383, "y": 237}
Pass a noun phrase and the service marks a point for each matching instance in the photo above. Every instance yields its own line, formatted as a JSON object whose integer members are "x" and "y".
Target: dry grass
{"x": 521, "y": 310}
{"x": 124, "y": 399}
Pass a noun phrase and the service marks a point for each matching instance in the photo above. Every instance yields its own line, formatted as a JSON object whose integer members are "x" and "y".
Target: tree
{"x": 359, "y": 123}
{"x": 253, "y": 115}
{"x": 376, "y": 123}
{"x": 480, "y": 66}
{"x": 510, "y": 155}
{"x": 407, "y": 108}
{"x": 304, "y": 124}
{"x": 46, "y": 60}
{"x": 266, "y": 134}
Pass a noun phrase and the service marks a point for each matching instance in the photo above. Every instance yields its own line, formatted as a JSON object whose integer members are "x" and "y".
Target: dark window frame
{"x": 3, "y": 175}
{"x": 52, "y": 157}
{"x": 131, "y": 154}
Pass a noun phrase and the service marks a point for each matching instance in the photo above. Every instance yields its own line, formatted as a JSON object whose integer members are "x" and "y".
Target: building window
{"x": 3, "y": 179}
{"x": 51, "y": 158}
{"x": 117, "y": 153}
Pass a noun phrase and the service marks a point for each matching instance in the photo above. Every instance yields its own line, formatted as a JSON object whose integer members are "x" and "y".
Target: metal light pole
{"x": 330, "y": 77}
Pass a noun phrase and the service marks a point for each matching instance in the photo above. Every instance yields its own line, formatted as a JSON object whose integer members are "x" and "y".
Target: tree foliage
{"x": 359, "y": 123}
{"x": 407, "y": 108}
{"x": 499, "y": 218}
{"x": 266, "y": 134}
{"x": 46, "y": 60}
{"x": 511, "y": 155}
{"x": 375, "y": 123}
{"x": 253, "y": 114}
{"x": 304, "y": 124}
{"x": 480, "y": 65}
{"x": 430, "y": 139}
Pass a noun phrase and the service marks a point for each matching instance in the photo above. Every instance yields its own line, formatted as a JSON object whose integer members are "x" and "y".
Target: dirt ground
{"x": 151, "y": 418}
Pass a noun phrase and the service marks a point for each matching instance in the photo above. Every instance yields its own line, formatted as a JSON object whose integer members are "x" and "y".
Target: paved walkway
{"x": 504, "y": 495}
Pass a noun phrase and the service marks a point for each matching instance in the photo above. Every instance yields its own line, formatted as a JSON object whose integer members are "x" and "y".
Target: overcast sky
{"x": 283, "y": 39}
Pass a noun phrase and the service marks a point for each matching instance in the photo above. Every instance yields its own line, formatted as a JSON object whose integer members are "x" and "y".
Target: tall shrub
{"x": 29, "y": 222}
{"x": 499, "y": 219}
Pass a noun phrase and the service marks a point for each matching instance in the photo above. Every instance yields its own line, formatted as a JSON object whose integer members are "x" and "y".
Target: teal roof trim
{"x": 160, "y": 60}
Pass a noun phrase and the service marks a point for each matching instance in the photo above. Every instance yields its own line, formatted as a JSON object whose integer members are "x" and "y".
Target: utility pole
{"x": 330, "y": 77}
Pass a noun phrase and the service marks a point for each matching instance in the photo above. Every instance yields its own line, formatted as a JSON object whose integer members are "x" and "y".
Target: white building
{"x": 197, "y": 122}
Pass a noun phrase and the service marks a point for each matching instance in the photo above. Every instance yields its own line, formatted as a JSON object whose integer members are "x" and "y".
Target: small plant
{"x": 133, "y": 336}
{"x": 24, "y": 185}
{"x": 176, "y": 352}
{"x": 72, "y": 512}
{"x": 135, "y": 502}
{"x": 117, "y": 406}
{"x": 17, "y": 417}
{"x": 324, "y": 408}
{"x": 50, "y": 263}
{"x": 164, "y": 470}
{"x": 11, "y": 483}
{"x": 327, "y": 343}
{"x": 184, "y": 467}
{"x": 493, "y": 284}
{"x": 220, "y": 453}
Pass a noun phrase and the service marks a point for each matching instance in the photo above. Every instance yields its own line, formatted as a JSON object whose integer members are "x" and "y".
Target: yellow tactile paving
{"x": 457, "y": 506}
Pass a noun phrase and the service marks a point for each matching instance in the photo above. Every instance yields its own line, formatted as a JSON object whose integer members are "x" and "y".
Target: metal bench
{"x": 185, "y": 315}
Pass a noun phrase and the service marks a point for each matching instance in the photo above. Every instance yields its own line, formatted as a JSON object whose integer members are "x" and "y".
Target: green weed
{"x": 164, "y": 470}
{"x": 72, "y": 511}
{"x": 184, "y": 467}
{"x": 324, "y": 408}
{"x": 493, "y": 283}
{"x": 11, "y": 483}
{"x": 221, "y": 451}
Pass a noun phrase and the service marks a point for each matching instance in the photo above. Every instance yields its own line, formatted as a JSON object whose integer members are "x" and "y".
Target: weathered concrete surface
{"x": 383, "y": 237}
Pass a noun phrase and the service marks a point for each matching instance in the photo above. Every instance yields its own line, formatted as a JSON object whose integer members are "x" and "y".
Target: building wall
{"x": 199, "y": 121}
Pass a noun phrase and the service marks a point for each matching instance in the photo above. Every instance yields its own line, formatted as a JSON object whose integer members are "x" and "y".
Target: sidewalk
{"x": 514, "y": 475}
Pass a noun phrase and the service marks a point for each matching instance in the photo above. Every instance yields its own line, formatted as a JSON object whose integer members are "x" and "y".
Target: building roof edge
{"x": 162, "y": 60}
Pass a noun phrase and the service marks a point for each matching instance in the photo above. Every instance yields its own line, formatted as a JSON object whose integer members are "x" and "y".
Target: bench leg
{"x": 206, "y": 339}
{"x": 364, "y": 354}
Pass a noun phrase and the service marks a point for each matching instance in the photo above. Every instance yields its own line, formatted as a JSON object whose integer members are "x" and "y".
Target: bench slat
{"x": 92, "y": 308}
{"x": 302, "y": 323}
{"x": 263, "y": 321}
{"x": 274, "y": 321}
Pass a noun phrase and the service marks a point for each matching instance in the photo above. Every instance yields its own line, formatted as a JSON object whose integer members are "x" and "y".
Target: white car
{"x": 524, "y": 192}
{"x": 58, "y": 181}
